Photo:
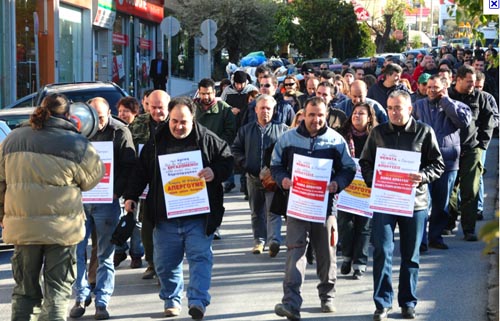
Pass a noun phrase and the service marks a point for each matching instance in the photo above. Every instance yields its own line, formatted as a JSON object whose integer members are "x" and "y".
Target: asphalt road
{"x": 452, "y": 284}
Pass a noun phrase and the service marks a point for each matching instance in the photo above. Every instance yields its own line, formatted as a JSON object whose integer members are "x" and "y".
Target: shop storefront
{"x": 133, "y": 34}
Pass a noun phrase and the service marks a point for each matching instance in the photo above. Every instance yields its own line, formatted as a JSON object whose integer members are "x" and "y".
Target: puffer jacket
{"x": 447, "y": 117}
{"x": 415, "y": 137}
{"x": 42, "y": 174}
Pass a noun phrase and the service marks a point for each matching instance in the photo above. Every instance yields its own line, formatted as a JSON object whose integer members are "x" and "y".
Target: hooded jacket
{"x": 42, "y": 174}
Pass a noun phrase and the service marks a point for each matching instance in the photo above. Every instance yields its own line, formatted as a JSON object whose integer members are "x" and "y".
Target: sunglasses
{"x": 265, "y": 85}
{"x": 289, "y": 84}
{"x": 323, "y": 68}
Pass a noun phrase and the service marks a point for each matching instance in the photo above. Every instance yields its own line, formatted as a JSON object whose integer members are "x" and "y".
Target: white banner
{"x": 103, "y": 192}
{"x": 185, "y": 193}
{"x": 355, "y": 198}
{"x": 392, "y": 191}
{"x": 308, "y": 200}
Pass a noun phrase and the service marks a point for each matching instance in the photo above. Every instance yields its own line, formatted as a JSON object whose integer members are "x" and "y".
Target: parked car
{"x": 26, "y": 101}
{"x": 4, "y": 131}
{"x": 317, "y": 62}
{"x": 80, "y": 92}
{"x": 15, "y": 116}
{"x": 357, "y": 62}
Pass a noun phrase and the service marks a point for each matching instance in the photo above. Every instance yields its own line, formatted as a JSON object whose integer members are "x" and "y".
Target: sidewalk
{"x": 453, "y": 284}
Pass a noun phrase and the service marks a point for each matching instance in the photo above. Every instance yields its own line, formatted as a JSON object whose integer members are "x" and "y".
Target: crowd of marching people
{"x": 444, "y": 109}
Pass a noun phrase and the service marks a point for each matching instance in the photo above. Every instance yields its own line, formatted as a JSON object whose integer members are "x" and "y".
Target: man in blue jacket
{"x": 447, "y": 117}
{"x": 313, "y": 138}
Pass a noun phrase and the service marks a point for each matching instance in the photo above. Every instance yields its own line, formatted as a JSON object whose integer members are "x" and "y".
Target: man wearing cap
{"x": 349, "y": 75}
{"x": 307, "y": 70}
{"x": 421, "y": 89}
{"x": 236, "y": 95}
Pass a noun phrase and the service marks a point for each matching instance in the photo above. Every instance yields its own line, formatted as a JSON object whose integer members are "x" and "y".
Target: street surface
{"x": 452, "y": 284}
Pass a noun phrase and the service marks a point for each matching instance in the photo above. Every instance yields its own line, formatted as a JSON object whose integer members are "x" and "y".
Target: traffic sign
{"x": 170, "y": 26}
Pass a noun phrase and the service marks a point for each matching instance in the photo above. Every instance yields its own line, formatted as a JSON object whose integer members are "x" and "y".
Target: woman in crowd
{"x": 354, "y": 230}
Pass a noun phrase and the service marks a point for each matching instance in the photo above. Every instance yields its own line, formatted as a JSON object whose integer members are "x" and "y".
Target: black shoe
{"x": 246, "y": 197}
{"x": 119, "y": 258}
{"x": 283, "y": 310}
{"x": 381, "y": 314}
{"x": 101, "y": 313}
{"x": 217, "y": 234}
{"x": 196, "y": 312}
{"x": 274, "y": 249}
{"x": 479, "y": 216}
{"x": 470, "y": 237}
{"x": 345, "y": 268}
{"x": 79, "y": 308}
{"x": 310, "y": 255}
{"x": 438, "y": 245}
{"x": 358, "y": 275}
{"x": 229, "y": 187}
{"x": 408, "y": 313}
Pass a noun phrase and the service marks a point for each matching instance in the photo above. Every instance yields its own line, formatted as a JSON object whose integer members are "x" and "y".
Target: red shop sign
{"x": 147, "y": 10}
{"x": 120, "y": 39}
{"x": 145, "y": 44}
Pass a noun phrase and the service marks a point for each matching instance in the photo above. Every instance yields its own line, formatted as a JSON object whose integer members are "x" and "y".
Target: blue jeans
{"x": 103, "y": 218}
{"x": 171, "y": 240}
{"x": 410, "y": 231}
{"x": 440, "y": 191}
{"x": 265, "y": 225}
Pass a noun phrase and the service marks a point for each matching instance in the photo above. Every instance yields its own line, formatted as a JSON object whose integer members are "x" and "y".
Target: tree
{"x": 323, "y": 28}
{"x": 393, "y": 19}
{"x": 367, "y": 46}
{"x": 242, "y": 26}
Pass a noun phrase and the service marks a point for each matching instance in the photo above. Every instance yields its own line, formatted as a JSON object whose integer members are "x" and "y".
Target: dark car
{"x": 79, "y": 92}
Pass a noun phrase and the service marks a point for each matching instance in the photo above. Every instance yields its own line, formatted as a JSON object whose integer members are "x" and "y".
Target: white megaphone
{"x": 85, "y": 118}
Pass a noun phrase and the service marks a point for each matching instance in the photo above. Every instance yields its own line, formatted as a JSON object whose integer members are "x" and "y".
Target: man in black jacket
{"x": 474, "y": 142}
{"x": 401, "y": 132}
{"x": 191, "y": 234}
{"x": 103, "y": 217}
{"x": 158, "y": 72}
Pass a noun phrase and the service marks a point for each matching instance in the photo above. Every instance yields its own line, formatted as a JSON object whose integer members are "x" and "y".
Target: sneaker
{"x": 196, "y": 312}
{"x": 149, "y": 274}
{"x": 136, "y": 263}
{"x": 274, "y": 249}
{"x": 229, "y": 187}
{"x": 345, "y": 268}
{"x": 258, "y": 249}
{"x": 327, "y": 306}
{"x": 172, "y": 312}
{"x": 101, "y": 313}
{"x": 119, "y": 258}
{"x": 358, "y": 275}
{"x": 79, "y": 308}
{"x": 470, "y": 237}
{"x": 282, "y": 310}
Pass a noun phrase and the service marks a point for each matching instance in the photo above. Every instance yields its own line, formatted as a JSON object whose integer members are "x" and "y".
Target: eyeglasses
{"x": 265, "y": 85}
{"x": 290, "y": 84}
{"x": 444, "y": 70}
{"x": 323, "y": 68}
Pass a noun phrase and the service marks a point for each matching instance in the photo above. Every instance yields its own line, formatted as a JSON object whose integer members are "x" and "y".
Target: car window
{"x": 111, "y": 96}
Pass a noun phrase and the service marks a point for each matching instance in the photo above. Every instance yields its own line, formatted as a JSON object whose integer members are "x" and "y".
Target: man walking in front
{"x": 41, "y": 208}
{"x": 401, "y": 132}
{"x": 191, "y": 235}
{"x": 313, "y": 138}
